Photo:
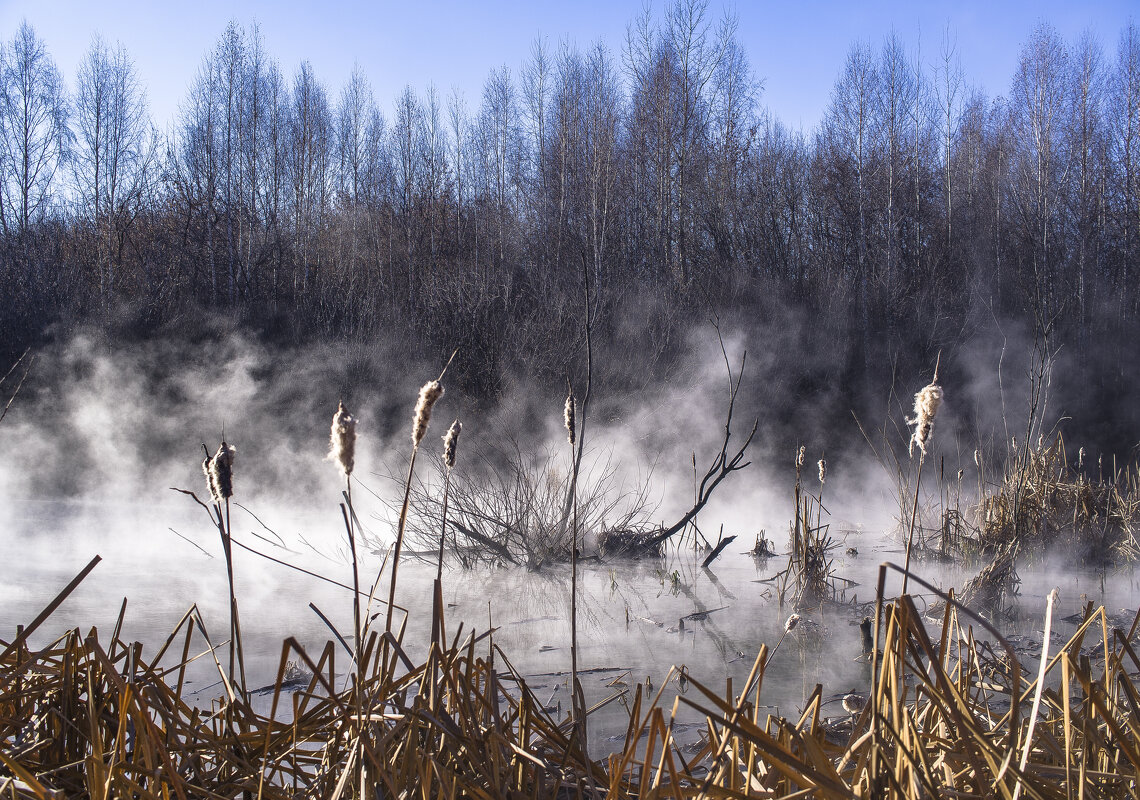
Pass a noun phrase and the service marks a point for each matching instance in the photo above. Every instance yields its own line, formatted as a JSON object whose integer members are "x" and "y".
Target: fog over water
{"x": 100, "y": 434}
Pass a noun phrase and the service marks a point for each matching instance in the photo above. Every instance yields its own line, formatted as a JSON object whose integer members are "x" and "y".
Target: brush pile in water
{"x": 947, "y": 715}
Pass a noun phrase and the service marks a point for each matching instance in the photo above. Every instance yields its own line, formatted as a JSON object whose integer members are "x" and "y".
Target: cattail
{"x": 342, "y": 440}
{"x": 961, "y": 474}
{"x": 822, "y": 470}
{"x": 800, "y": 456}
{"x": 429, "y": 393}
{"x": 978, "y": 458}
{"x": 221, "y": 469}
{"x": 926, "y": 403}
{"x": 211, "y": 486}
{"x": 568, "y": 416}
{"x": 449, "y": 443}
{"x": 792, "y": 622}
{"x": 1081, "y": 458}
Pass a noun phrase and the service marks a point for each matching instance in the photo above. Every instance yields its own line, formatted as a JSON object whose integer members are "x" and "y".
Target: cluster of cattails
{"x": 450, "y": 441}
{"x": 568, "y": 416}
{"x": 926, "y": 403}
{"x": 219, "y": 471}
{"x": 342, "y": 440}
{"x": 429, "y": 394}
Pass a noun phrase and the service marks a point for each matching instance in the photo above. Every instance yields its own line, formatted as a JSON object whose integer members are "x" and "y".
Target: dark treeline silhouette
{"x": 916, "y": 211}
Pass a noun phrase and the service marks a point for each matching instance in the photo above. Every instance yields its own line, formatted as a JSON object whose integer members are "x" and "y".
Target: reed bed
{"x": 1043, "y": 500}
{"x": 949, "y": 711}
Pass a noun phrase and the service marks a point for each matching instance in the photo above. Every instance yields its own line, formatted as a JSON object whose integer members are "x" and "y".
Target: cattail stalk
{"x": 578, "y": 705}
{"x": 430, "y": 392}
{"x": 342, "y": 450}
{"x": 926, "y": 404}
{"x": 450, "y": 442}
{"x": 219, "y": 480}
{"x": 822, "y": 464}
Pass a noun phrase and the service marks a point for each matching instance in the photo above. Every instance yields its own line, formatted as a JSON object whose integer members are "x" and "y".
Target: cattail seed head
{"x": 211, "y": 486}
{"x": 978, "y": 458}
{"x": 429, "y": 393}
{"x": 342, "y": 439}
{"x": 792, "y": 622}
{"x": 1081, "y": 458}
{"x": 926, "y": 403}
{"x": 961, "y": 474}
{"x": 822, "y": 470}
{"x": 222, "y": 473}
{"x": 568, "y": 416}
{"x": 801, "y": 454}
{"x": 449, "y": 443}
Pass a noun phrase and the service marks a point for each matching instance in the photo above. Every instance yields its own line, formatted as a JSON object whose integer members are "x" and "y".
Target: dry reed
{"x": 947, "y": 715}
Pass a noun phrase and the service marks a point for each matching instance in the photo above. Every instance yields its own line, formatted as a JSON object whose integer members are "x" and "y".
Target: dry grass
{"x": 1044, "y": 501}
{"x": 946, "y": 714}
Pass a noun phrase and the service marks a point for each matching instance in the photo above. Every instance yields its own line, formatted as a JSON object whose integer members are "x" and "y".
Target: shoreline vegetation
{"x": 90, "y": 715}
{"x": 949, "y": 707}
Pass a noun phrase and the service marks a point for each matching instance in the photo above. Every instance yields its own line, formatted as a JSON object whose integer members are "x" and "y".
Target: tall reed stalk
{"x": 578, "y": 704}
{"x": 926, "y": 404}
{"x": 430, "y": 392}
{"x": 450, "y": 443}
{"x": 218, "y": 469}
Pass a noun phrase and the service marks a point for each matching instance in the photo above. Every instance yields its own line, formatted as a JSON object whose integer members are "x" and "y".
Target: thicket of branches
{"x": 301, "y": 211}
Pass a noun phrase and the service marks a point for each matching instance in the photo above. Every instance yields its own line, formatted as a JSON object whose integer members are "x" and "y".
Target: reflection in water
{"x": 637, "y": 619}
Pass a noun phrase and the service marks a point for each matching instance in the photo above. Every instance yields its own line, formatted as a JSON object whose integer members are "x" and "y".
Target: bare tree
{"x": 310, "y": 151}
{"x": 896, "y": 89}
{"x": 1124, "y": 122}
{"x": 33, "y": 131}
{"x": 847, "y": 131}
{"x": 457, "y": 117}
{"x": 502, "y": 148}
{"x": 536, "y": 91}
{"x": 407, "y": 147}
{"x": 115, "y": 148}
{"x": 435, "y": 167}
{"x": 1039, "y": 106}
{"x": 949, "y": 87}
{"x": 1087, "y": 145}
{"x": 354, "y": 115}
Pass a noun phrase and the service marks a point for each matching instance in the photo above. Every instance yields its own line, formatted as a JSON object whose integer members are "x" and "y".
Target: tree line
{"x": 917, "y": 208}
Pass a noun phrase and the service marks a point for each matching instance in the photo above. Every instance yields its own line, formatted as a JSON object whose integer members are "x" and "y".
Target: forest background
{"x": 920, "y": 216}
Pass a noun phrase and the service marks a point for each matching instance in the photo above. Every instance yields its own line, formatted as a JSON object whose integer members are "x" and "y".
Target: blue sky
{"x": 796, "y": 48}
